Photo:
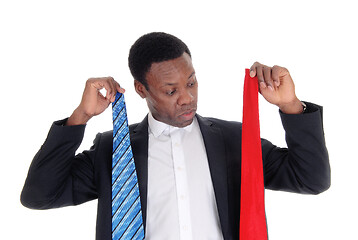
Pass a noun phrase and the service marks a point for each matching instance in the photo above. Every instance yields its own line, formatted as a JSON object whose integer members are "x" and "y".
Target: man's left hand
{"x": 277, "y": 87}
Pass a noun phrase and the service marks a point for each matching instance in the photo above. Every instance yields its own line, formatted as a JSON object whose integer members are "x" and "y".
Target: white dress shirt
{"x": 181, "y": 202}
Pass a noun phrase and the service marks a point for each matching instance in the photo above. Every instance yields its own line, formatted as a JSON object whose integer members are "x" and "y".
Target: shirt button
{"x": 182, "y": 197}
{"x": 177, "y": 144}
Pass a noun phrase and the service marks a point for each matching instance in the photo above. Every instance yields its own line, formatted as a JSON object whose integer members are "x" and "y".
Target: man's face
{"x": 173, "y": 91}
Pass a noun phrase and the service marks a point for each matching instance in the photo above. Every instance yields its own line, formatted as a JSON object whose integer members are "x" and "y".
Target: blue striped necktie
{"x": 127, "y": 220}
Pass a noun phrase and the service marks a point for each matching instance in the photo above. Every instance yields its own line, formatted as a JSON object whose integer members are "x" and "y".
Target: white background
{"x": 49, "y": 48}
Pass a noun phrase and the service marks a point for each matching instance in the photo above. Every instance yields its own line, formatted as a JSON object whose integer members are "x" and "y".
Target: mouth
{"x": 188, "y": 114}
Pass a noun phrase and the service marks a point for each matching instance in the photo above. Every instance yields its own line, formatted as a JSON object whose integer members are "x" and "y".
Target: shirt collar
{"x": 158, "y": 128}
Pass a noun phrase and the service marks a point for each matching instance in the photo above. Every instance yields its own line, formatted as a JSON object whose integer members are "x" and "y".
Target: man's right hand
{"x": 93, "y": 102}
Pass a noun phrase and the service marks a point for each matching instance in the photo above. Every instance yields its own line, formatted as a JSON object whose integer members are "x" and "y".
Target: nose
{"x": 186, "y": 97}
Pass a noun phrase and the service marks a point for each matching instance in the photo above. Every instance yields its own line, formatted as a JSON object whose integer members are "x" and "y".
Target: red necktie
{"x": 252, "y": 215}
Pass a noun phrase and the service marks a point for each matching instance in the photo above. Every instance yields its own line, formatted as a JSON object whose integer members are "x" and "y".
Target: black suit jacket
{"x": 58, "y": 178}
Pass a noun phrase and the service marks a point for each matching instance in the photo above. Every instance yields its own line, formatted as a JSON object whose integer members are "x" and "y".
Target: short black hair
{"x": 152, "y": 48}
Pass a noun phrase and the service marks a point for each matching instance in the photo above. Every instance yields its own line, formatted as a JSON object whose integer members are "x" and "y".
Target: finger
{"x": 108, "y": 87}
{"x": 114, "y": 89}
{"x": 118, "y": 87}
{"x": 253, "y": 69}
{"x": 260, "y": 76}
{"x": 95, "y": 83}
{"x": 112, "y": 95}
{"x": 275, "y": 75}
{"x": 268, "y": 79}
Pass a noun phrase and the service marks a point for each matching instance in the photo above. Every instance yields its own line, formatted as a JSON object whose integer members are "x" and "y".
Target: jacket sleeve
{"x": 57, "y": 177}
{"x": 303, "y": 167}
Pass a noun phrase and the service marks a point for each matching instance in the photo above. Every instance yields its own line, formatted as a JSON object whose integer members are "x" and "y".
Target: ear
{"x": 140, "y": 89}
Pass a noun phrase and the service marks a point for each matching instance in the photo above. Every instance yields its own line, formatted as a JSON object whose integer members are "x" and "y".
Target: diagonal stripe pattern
{"x": 127, "y": 220}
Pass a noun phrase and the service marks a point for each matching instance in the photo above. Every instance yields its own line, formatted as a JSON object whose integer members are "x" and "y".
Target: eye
{"x": 192, "y": 83}
{"x": 170, "y": 93}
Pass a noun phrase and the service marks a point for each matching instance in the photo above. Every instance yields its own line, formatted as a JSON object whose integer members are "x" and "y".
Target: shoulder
{"x": 104, "y": 138}
{"x": 220, "y": 123}
{"x": 228, "y": 129}
{"x": 132, "y": 127}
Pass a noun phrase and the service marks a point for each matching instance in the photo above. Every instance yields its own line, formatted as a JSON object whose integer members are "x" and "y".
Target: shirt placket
{"x": 181, "y": 182}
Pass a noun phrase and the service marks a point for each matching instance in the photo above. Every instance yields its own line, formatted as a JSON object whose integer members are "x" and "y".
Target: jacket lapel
{"x": 215, "y": 150}
{"x": 139, "y": 143}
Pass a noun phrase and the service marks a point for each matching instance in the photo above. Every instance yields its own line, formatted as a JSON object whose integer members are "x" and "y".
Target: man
{"x": 188, "y": 166}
